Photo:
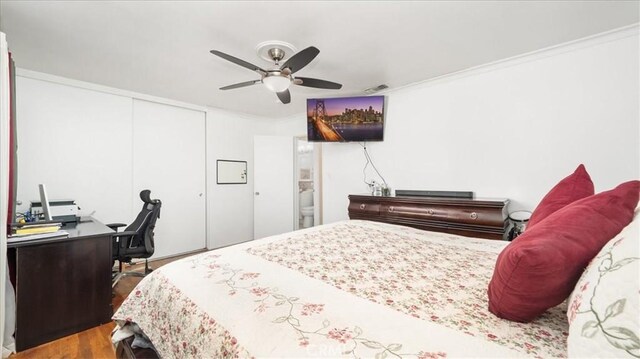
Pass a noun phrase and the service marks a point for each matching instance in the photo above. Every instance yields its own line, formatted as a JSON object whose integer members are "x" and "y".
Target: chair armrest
{"x": 123, "y": 238}
{"x": 115, "y": 226}
{"x": 124, "y": 234}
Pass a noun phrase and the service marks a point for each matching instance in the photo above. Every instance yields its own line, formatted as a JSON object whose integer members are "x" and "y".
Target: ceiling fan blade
{"x": 284, "y": 96}
{"x": 237, "y": 61}
{"x": 317, "y": 83}
{"x": 241, "y": 84}
{"x": 301, "y": 59}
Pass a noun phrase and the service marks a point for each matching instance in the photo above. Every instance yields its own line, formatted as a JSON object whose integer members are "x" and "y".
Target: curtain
{"x": 13, "y": 147}
{"x": 6, "y": 318}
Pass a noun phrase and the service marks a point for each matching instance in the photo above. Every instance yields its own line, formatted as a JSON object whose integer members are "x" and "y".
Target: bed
{"x": 348, "y": 289}
{"x": 373, "y": 289}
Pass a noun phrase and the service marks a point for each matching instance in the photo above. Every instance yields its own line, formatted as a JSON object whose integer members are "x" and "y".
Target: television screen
{"x": 345, "y": 119}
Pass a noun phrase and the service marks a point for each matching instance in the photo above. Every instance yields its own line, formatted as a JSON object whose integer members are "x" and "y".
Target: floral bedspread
{"x": 348, "y": 289}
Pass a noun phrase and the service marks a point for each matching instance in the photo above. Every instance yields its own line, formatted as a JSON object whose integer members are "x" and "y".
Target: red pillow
{"x": 576, "y": 186}
{"x": 540, "y": 268}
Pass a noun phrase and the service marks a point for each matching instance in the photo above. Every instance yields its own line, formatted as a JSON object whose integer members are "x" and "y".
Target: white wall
{"x": 507, "y": 130}
{"x": 230, "y": 208}
{"x": 292, "y": 126}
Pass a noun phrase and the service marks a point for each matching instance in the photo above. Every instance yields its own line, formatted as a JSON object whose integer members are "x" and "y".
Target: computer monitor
{"x": 44, "y": 199}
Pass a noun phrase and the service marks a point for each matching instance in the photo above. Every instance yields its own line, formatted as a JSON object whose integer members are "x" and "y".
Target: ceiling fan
{"x": 280, "y": 77}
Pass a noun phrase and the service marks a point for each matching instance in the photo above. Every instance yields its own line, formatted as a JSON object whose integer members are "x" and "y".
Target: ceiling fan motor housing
{"x": 265, "y": 49}
{"x": 276, "y": 54}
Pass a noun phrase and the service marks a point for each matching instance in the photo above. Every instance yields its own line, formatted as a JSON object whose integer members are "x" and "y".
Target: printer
{"x": 62, "y": 210}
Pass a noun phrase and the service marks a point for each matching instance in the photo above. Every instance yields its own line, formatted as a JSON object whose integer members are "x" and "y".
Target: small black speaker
{"x": 442, "y": 194}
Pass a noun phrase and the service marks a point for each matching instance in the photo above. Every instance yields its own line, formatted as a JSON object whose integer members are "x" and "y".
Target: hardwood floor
{"x": 95, "y": 342}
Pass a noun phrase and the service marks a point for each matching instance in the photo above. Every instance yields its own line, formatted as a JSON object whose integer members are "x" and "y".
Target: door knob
{"x": 200, "y": 195}
{"x": 257, "y": 193}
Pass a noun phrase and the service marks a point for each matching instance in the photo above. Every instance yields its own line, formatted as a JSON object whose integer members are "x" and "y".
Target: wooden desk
{"x": 63, "y": 285}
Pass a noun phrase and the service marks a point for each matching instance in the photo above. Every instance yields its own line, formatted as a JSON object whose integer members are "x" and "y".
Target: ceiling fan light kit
{"x": 280, "y": 77}
{"x": 276, "y": 83}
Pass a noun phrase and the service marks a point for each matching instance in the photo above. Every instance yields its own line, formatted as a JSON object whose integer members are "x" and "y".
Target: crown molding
{"x": 35, "y": 75}
{"x": 570, "y": 46}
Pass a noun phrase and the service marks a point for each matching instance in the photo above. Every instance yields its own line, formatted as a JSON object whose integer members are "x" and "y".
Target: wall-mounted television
{"x": 345, "y": 119}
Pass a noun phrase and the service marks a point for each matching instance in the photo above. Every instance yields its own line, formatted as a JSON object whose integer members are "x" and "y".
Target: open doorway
{"x": 308, "y": 184}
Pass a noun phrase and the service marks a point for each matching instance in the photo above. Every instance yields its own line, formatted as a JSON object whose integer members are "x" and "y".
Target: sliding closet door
{"x": 169, "y": 160}
{"x": 78, "y": 143}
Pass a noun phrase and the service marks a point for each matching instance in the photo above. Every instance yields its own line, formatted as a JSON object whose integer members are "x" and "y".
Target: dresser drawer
{"x": 483, "y": 218}
{"x": 454, "y": 214}
{"x": 357, "y": 207}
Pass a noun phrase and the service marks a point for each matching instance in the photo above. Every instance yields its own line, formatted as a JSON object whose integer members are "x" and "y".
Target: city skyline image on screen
{"x": 345, "y": 119}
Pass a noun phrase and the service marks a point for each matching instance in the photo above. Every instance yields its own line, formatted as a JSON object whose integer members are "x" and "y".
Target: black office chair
{"x": 137, "y": 239}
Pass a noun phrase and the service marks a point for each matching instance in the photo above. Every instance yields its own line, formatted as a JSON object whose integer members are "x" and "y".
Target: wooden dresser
{"x": 483, "y": 218}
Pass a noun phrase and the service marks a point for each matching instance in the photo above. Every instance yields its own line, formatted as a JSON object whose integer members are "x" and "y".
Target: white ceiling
{"x": 162, "y": 48}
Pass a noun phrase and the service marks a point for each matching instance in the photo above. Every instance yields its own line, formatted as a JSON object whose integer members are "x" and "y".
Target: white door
{"x": 169, "y": 160}
{"x": 273, "y": 203}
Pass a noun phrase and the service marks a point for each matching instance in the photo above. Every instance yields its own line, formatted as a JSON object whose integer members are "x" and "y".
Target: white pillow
{"x": 604, "y": 312}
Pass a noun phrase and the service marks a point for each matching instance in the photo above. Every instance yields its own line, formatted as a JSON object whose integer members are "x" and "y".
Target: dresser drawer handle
{"x": 473, "y": 215}
{"x": 430, "y": 211}
{"x": 362, "y": 206}
{"x": 390, "y": 208}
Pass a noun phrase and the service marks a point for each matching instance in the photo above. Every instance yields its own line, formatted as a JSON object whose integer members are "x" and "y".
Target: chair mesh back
{"x": 144, "y": 225}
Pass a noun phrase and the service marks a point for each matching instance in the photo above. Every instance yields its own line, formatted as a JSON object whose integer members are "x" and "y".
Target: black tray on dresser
{"x": 482, "y": 217}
